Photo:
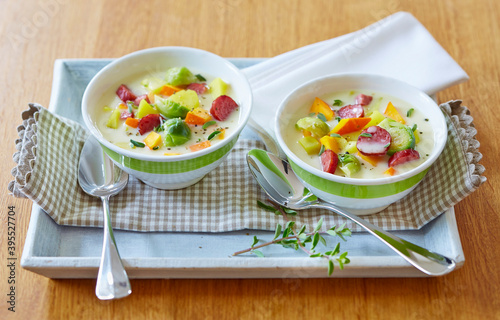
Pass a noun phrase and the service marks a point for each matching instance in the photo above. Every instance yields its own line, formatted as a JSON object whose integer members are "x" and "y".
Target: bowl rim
{"x": 161, "y": 158}
{"x": 436, "y": 152}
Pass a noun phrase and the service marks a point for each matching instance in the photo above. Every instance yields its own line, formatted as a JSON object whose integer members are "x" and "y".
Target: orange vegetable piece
{"x": 132, "y": 122}
{"x": 122, "y": 106}
{"x": 319, "y": 106}
{"x": 392, "y": 113}
{"x": 306, "y": 133}
{"x": 330, "y": 143}
{"x": 350, "y": 125}
{"x": 221, "y": 134}
{"x": 200, "y": 146}
{"x": 373, "y": 160}
{"x": 198, "y": 116}
{"x": 391, "y": 171}
{"x": 151, "y": 96}
{"x": 167, "y": 90}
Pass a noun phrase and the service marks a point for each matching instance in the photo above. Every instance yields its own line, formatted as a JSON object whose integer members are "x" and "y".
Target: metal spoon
{"x": 278, "y": 180}
{"x": 99, "y": 177}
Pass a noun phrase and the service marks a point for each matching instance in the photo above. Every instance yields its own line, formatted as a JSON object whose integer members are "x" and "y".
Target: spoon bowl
{"x": 276, "y": 177}
{"x": 99, "y": 177}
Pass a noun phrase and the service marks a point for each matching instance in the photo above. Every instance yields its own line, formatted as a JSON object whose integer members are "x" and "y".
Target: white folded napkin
{"x": 397, "y": 46}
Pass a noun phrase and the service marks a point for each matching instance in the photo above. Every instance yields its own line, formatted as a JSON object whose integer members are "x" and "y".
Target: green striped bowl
{"x": 359, "y": 196}
{"x": 159, "y": 171}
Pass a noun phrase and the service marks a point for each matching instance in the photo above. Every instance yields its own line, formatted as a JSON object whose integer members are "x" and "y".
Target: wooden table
{"x": 35, "y": 33}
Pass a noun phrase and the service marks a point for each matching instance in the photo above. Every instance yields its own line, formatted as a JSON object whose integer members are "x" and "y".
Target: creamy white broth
{"x": 368, "y": 171}
{"x": 122, "y": 135}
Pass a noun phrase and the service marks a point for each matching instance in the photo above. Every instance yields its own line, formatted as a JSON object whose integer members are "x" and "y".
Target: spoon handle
{"x": 426, "y": 261}
{"x": 112, "y": 279}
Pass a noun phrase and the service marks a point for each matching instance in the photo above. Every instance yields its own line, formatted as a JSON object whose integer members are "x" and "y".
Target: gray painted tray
{"x": 73, "y": 252}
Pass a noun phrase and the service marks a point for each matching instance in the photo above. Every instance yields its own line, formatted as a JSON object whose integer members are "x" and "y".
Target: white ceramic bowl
{"x": 159, "y": 171}
{"x": 359, "y": 196}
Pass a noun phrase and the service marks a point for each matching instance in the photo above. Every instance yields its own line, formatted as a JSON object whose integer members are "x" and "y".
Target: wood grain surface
{"x": 35, "y": 33}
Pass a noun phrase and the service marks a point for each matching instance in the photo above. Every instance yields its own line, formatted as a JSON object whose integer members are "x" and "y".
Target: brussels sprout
{"x": 179, "y": 76}
{"x": 171, "y": 109}
{"x": 315, "y": 126}
{"x": 349, "y": 164}
{"x": 177, "y": 132}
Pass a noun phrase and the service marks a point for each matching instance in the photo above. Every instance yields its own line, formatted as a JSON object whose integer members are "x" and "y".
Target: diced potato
{"x": 310, "y": 144}
{"x": 217, "y": 88}
{"x": 351, "y": 147}
{"x": 114, "y": 119}
{"x": 145, "y": 108}
{"x": 376, "y": 118}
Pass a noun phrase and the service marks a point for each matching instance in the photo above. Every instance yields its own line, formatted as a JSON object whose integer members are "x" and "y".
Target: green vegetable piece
{"x": 179, "y": 76}
{"x": 114, "y": 119}
{"x": 402, "y": 136}
{"x": 351, "y": 147}
{"x": 217, "y": 88}
{"x": 186, "y": 98}
{"x": 310, "y": 144}
{"x": 171, "y": 109}
{"x": 349, "y": 164}
{"x": 315, "y": 126}
{"x": 144, "y": 109}
{"x": 177, "y": 132}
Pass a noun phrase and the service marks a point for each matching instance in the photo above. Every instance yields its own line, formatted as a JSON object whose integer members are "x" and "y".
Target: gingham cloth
{"x": 226, "y": 199}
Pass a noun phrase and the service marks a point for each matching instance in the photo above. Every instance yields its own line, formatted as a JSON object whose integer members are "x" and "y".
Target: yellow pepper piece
{"x": 392, "y": 113}
{"x": 171, "y": 154}
{"x": 417, "y": 136}
{"x": 330, "y": 143}
{"x": 373, "y": 160}
{"x": 319, "y": 106}
{"x": 152, "y": 140}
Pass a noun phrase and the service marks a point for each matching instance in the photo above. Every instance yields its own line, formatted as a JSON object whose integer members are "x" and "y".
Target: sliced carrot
{"x": 132, "y": 122}
{"x": 392, "y": 113}
{"x": 350, "y": 125}
{"x": 198, "y": 116}
{"x": 122, "y": 106}
{"x": 391, "y": 171}
{"x": 200, "y": 146}
{"x": 306, "y": 133}
{"x": 373, "y": 160}
{"x": 319, "y": 106}
{"x": 330, "y": 143}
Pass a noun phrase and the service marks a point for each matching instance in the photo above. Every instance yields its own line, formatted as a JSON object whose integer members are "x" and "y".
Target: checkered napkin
{"x": 226, "y": 199}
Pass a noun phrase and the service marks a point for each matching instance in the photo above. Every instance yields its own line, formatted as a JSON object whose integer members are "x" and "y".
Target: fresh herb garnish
{"x": 208, "y": 124}
{"x": 213, "y": 134}
{"x": 387, "y": 145}
{"x": 414, "y": 128}
{"x": 335, "y": 135}
{"x": 130, "y": 106}
{"x": 312, "y": 114}
{"x": 137, "y": 144}
{"x": 409, "y": 112}
{"x": 156, "y": 147}
{"x": 322, "y": 117}
{"x": 337, "y": 103}
{"x": 321, "y": 150}
{"x": 338, "y": 118}
{"x": 200, "y": 77}
{"x": 288, "y": 237}
{"x": 366, "y": 134}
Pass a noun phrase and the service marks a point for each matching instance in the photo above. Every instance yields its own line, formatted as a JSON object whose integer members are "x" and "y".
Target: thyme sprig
{"x": 288, "y": 237}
